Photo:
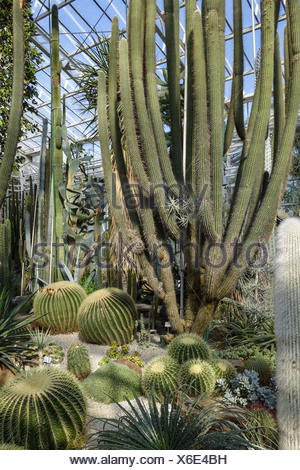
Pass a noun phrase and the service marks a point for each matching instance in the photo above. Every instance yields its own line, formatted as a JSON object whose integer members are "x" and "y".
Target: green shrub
{"x": 197, "y": 376}
{"x": 42, "y": 409}
{"x": 188, "y": 346}
{"x": 112, "y": 382}
{"x": 79, "y": 361}
{"x": 161, "y": 375}
{"x": 59, "y": 303}
{"x": 106, "y": 316}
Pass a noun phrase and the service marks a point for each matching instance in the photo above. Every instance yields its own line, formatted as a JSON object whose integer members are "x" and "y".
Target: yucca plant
{"x": 14, "y": 341}
{"x": 171, "y": 425}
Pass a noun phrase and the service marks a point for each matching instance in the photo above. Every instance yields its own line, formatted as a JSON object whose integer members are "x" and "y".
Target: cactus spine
{"x": 107, "y": 315}
{"x": 287, "y": 327}
{"x": 251, "y": 214}
{"x": 42, "y": 409}
{"x": 160, "y": 375}
{"x": 60, "y": 302}
{"x": 16, "y": 106}
{"x": 79, "y": 361}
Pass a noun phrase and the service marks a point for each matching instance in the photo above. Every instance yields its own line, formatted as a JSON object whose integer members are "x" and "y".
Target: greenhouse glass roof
{"x": 80, "y": 23}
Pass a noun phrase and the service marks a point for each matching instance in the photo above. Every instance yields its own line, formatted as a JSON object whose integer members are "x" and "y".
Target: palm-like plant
{"x": 171, "y": 425}
{"x": 14, "y": 337}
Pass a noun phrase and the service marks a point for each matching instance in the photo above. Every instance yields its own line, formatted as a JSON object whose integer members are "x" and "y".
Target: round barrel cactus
{"x": 79, "y": 361}
{"x": 107, "y": 315}
{"x": 59, "y": 303}
{"x": 161, "y": 375}
{"x": 261, "y": 367}
{"x": 188, "y": 346}
{"x": 198, "y": 377}
{"x": 223, "y": 369}
{"x": 42, "y": 409}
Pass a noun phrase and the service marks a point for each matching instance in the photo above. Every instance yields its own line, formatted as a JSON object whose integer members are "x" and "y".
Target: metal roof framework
{"x": 79, "y": 20}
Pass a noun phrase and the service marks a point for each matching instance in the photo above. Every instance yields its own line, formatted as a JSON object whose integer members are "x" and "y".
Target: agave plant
{"x": 14, "y": 336}
{"x": 172, "y": 425}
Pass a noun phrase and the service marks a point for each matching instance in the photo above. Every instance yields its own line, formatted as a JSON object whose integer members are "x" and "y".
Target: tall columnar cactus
{"x": 188, "y": 346}
{"x": 42, "y": 409}
{"x": 161, "y": 375}
{"x": 192, "y": 167}
{"x": 287, "y": 329}
{"x": 79, "y": 361}
{"x": 5, "y": 253}
{"x": 57, "y": 155}
{"x": 198, "y": 377}
{"x": 59, "y": 303}
{"x": 16, "y": 107}
{"x": 107, "y": 315}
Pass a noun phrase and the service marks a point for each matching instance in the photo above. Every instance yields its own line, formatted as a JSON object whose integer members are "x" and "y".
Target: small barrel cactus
{"x": 79, "y": 361}
{"x": 223, "y": 370}
{"x": 42, "y": 409}
{"x": 10, "y": 447}
{"x": 261, "y": 367}
{"x": 161, "y": 375}
{"x": 188, "y": 346}
{"x": 59, "y": 303}
{"x": 107, "y": 315}
{"x": 198, "y": 377}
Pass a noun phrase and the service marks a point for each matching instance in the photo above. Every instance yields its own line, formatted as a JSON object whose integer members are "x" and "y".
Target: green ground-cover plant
{"x": 172, "y": 426}
{"x": 112, "y": 382}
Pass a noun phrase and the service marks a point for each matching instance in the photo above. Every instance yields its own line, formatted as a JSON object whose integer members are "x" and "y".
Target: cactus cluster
{"x": 42, "y": 409}
{"x": 161, "y": 374}
{"x": 287, "y": 327}
{"x": 107, "y": 315}
{"x": 78, "y": 361}
{"x": 188, "y": 346}
{"x": 263, "y": 369}
{"x": 197, "y": 376}
{"x": 59, "y": 303}
{"x": 223, "y": 369}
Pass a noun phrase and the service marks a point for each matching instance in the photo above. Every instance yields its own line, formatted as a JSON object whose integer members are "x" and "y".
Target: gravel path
{"x": 96, "y": 353}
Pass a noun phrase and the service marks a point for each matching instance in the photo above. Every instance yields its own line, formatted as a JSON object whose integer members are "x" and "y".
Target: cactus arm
{"x": 201, "y": 129}
{"x": 279, "y": 115}
{"x": 257, "y": 128}
{"x": 172, "y": 42}
{"x": 153, "y": 102}
{"x": 146, "y": 132}
{"x": 215, "y": 114}
{"x": 286, "y": 64}
{"x": 222, "y": 52}
{"x": 57, "y": 172}
{"x": 287, "y": 327}
{"x": 189, "y": 116}
{"x": 15, "y": 113}
{"x": 238, "y": 69}
{"x": 229, "y": 129}
{"x": 112, "y": 102}
{"x": 131, "y": 137}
